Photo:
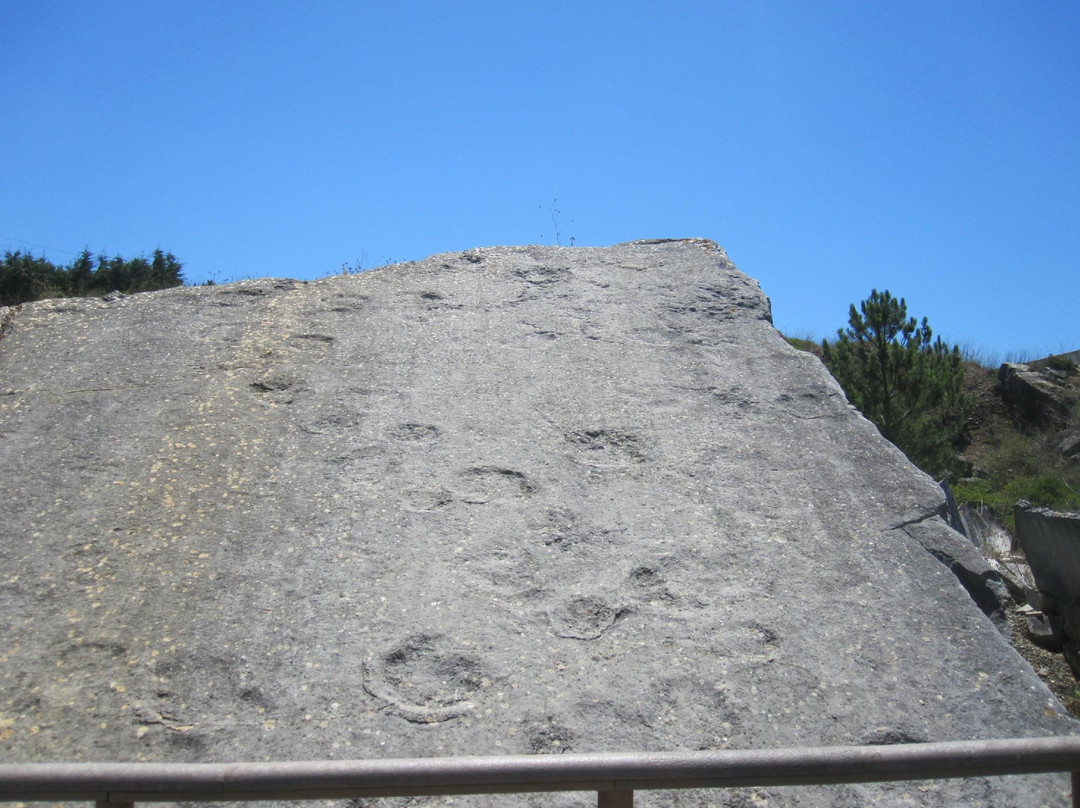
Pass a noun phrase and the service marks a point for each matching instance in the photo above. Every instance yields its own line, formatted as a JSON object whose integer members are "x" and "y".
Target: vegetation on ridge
{"x": 24, "y": 278}
{"x": 1009, "y": 459}
{"x": 992, "y": 456}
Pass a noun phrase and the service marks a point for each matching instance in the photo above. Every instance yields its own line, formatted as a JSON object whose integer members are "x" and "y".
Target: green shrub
{"x": 909, "y": 386}
{"x": 1018, "y": 466}
{"x": 810, "y": 346}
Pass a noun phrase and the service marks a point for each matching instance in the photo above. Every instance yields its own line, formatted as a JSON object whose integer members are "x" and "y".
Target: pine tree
{"x": 165, "y": 271}
{"x": 80, "y": 275}
{"x": 24, "y": 278}
{"x": 910, "y": 387}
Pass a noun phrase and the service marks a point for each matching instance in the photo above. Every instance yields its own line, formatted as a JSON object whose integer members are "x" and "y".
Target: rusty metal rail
{"x": 614, "y": 776}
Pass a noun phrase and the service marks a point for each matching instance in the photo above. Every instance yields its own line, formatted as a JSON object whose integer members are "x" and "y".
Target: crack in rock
{"x": 917, "y": 517}
{"x": 965, "y": 562}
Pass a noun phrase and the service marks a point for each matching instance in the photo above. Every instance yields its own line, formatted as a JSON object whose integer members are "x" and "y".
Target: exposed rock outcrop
{"x": 1037, "y": 394}
{"x": 1051, "y": 545}
{"x": 521, "y": 500}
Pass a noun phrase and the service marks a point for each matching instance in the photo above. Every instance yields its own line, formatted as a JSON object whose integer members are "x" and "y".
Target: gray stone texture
{"x": 511, "y": 500}
{"x": 1036, "y": 395}
{"x": 1051, "y": 544}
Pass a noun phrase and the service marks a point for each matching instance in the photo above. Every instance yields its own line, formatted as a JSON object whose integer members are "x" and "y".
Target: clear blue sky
{"x": 930, "y": 148}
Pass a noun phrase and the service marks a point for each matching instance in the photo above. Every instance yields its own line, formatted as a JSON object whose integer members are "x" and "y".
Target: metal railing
{"x": 614, "y": 776}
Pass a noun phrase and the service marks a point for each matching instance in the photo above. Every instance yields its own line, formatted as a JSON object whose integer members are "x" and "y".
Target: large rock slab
{"x": 1051, "y": 544}
{"x": 1037, "y": 395}
{"x": 512, "y": 500}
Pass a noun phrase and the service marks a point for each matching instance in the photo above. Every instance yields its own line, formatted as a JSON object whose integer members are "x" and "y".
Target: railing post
{"x": 617, "y": 798}
{"x": 1075, "y": 778}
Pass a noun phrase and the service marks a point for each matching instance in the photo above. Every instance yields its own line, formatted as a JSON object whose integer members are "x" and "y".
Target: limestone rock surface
{"x": 511, "y": 500}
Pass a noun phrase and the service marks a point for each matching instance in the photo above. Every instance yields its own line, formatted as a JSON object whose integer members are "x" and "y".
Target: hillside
{"x": 1020, "y": 451}
{"x": 1014, "y": 457}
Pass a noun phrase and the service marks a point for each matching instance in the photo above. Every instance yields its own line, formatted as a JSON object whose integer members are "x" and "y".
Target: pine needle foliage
{"x": 24, "y": 277}
{"x": 908, "y": 384}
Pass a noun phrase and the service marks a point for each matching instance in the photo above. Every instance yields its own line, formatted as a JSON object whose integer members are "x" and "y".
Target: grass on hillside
{"x": 1012, "y": 460}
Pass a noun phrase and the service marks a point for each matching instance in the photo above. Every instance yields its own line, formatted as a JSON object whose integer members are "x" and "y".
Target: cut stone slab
{"x": 511, "y": 500}
{"x": 1051, "y": 543}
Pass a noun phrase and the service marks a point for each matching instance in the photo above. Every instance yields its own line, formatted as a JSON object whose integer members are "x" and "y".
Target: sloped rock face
{"x": 512, "y": 500}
